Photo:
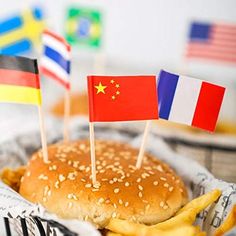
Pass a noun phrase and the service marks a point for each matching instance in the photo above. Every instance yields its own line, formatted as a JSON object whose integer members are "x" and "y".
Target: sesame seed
{"x": 171, "y": 188}
{"x": 83, "y": 180}
{"x": 72, "y": 175}
{"x": 151, "y": 172}
{"x": 140, "y": 194}
{"x": 75, "y": 164}
{"x": 120, "y": 201}
{"x": 101, "y": 200}
{"x": 162, "y": 204}
{"x": 49, "y": 193}
{"x": 126, "y": 204}
{"x": 87, "y": 169}
{"x": 115, "y": 206}
{"x": 111, "y": 182}
{"x": 97, "y": 185}
{"x": 44, "y": 199}
{"x": 61, "y": 178}
{"x": 86, "y": 217}
{"x": 70, "y": 205}
{"x": 165, "y": 207}
{"x": 163, "y": 178}
{"x": 113, "y": 215}
{"x": 102, "y": 171}
{"x": 147, "y": 207}
{"x": 82, "y": 167}
{"x": 116, "y": 190}
{"x": 155, "y": 183}
{"x": 107, "y": 201}
{"x": 115, "y": 180}
{"x": 46, "y": 188}
{"x": 69, "y": 162}
{"x": 43, "y": 177}
{"x": 138, "y": 180}
{"x": 56, "y": 184}
{"x": 95, "y": 189}
{"x": 88, "y": 185}
{"x": 159, "y": 167}
{"x": 140, "y": 187}
{"x": 166, "y": 185}
{"x": 104, "y": 179}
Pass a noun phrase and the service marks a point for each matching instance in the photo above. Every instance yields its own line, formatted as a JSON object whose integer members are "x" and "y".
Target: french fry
{"x": 183, "y": 220}
{"x": 187, "y": 217}
{"x": 202, "y": 202}
{"x": 112, "y": 234}
{"x": 228, "y": 224}
{"x": 181, "y": 230}
{"x": 125, "y": 227}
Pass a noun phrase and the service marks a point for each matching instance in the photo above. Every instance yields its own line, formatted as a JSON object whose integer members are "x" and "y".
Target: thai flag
{"x": 189, "y": 101}
{"x": 55, "y": 61}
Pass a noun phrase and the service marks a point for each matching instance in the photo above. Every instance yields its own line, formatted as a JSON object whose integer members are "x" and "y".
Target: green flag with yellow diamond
{"x": 84, "y": 27}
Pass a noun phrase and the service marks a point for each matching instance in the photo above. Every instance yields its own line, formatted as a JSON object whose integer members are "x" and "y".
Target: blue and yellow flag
{"x": 21, "y": 33}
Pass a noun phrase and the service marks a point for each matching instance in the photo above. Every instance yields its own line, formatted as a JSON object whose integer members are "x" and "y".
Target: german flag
{"x": 19, "y": 80}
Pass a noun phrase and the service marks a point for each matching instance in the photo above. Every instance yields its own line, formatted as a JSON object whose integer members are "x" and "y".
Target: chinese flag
{"x": 122, "y": 98}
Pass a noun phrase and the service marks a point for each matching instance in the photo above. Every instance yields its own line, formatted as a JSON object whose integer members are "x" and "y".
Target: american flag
{"x": 212, "y": 41}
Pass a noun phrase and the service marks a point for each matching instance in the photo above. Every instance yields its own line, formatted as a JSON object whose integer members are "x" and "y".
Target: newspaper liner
{"x": 20, "y": 212}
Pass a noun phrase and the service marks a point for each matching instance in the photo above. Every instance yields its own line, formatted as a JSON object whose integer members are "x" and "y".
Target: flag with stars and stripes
{"x": 55, "y": 61}
{"x": 122, "y": 98}
{"x": 212, "y": 41}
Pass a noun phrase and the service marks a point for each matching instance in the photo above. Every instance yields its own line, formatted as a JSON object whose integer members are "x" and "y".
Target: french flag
{"x": 189, "y": 101}
{"x": 55, "y": 61}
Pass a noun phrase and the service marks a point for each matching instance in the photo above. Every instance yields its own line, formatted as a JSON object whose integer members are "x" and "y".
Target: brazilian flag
{"x": 84, "y": 27}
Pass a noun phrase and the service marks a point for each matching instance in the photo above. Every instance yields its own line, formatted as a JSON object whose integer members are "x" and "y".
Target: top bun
{"x": 63, "y": 185}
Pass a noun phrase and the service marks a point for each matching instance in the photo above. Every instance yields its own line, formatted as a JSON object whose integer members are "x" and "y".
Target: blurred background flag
{"x": 84, "y": 27}
{"x": 212, "y": 41}
{"x": 21, "y": 33}
{"x": 189, "y": 101}
{"x": 55, "y": 61}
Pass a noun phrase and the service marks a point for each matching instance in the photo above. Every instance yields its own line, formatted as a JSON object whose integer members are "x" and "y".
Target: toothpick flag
{"x": 19, "y": 83}
{"x": 189, "y": 101}
{"x": 212, "y": 41}
{"x": 21, "y": 33}
{"x": 55, "y": 61}
{"x": 84, "y": 27}
{"x": 19, "y": 80}
{"x": 122, "y": 98}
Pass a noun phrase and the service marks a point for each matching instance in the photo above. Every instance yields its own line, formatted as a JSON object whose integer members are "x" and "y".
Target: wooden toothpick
{"x": 92, "y": 152}
{"x": 143, "y": 144}
{"x": 66, "y": 115}
{"x": 43, "y": 135}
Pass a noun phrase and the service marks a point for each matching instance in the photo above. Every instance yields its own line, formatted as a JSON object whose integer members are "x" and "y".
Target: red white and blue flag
{"x": 189, "y": 101}
{"x": 212, "y": 42}
{"x": 55, "y": 61}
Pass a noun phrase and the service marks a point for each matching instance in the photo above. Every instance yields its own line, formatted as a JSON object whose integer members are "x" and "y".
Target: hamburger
{"x": 63, "y": 185}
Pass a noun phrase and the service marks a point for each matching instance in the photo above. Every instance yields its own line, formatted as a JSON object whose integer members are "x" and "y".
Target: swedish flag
{"x": 21, "y": 33}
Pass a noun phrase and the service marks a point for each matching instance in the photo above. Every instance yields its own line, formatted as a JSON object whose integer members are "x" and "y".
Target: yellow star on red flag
{"x": 100, "y": 88}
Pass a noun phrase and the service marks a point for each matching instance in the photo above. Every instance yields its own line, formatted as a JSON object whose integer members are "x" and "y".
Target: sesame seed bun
{"x": 63, "y": 186}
